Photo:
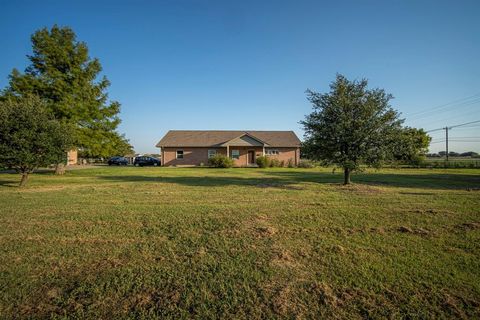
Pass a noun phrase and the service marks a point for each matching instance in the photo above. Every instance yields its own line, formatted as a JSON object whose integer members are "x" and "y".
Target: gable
{"x": 246, "y": 141}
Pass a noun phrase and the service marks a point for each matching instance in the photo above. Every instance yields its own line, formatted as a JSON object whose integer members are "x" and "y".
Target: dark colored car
{"x": 119, "y": 161}
{"x": 146, "y": 161}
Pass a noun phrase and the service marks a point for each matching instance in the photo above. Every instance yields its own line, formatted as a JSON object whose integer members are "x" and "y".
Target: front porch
{"x": 244, "y": 156}
{"x": 244, "y": 150}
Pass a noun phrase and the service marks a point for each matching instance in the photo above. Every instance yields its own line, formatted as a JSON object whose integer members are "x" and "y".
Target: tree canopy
{"x": 412, "y": 146}
{"x": 353, "y": 125}
{"x": 62, "y": 73}
{"x": 30, "y": 137}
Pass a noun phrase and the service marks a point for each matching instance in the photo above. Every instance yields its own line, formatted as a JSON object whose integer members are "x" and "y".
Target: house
{"x": 131, "y": 157}
{"x": 194, "y": 147}
{"x": 72, "y": 157}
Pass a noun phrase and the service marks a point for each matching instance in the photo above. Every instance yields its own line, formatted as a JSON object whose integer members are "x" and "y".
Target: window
{"x": 179, "y": 154}
{"x": 271, "y": 152}
{"x": 211, "y": 153}
{"x": 235, "y": 154}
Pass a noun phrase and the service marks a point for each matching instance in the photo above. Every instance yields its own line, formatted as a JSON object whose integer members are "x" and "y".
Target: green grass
{"x": 117, "y": 243}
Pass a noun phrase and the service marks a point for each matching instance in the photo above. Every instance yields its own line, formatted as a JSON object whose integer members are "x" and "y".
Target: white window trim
{"x": 272, "y": 152}
{"x": 176, "y": 154}
{"x": 236, "y": 157}
{"x": 211, "y": 153}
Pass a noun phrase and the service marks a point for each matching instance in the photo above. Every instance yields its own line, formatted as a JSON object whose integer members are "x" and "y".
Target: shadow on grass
{"x": 16, "y": 181}
{"x": 208, "y": 181}
{"x": 9, "y": 183}
{"x": 425, "y": 180}
{"x": 287, "y": 180}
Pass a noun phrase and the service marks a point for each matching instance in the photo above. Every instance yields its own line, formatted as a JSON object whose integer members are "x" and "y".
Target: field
{"x": 114, "y": 243}
{"x": 453, "y": 162}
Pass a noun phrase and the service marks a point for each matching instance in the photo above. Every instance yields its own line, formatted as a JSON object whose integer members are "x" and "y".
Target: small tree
{"x": 412, "y": 146}
{"x": 30, "y": 137}
{"x": 351, "y": 125}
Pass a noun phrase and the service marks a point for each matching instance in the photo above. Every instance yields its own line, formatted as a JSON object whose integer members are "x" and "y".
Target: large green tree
{"x": 63, "y": 74}
{"x": 412, "y": 146}
{"x": 30, "y": 136}
{"x": 351, "y": 126}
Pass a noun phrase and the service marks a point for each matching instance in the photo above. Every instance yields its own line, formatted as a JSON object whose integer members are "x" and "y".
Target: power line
{"x": 435, "y": 130}
{"x": 469, "y": 127}
{"x": 464, "y": 124}
{"x": 457, "y": 125}
{"x": 449, "y": 104}
{"x": 465, "y": 137}
{"x": 455, "y": 116}
{"x": 426, "y": 114}
{"x": 453, "y": 139}
{"x": 440, "y": 114}
{"x": 472, "y": 141}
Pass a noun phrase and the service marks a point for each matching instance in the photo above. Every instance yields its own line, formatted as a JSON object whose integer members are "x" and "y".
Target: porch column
{"x": 263, "y": 151}
{"x": 228, "y": 151}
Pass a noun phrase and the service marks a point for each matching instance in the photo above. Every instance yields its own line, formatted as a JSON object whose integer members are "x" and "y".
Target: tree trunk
{"x": 24, "y": 180}
{"x": 60, "y": 169}
{"x": 346, "y": 175}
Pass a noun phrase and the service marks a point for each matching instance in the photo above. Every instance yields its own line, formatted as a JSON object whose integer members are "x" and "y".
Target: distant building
{"x": 131, "y": 157}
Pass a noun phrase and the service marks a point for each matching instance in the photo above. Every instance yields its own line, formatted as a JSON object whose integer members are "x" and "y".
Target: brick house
{"x": 194, "y": 147}
{"x": 72, "y": 157}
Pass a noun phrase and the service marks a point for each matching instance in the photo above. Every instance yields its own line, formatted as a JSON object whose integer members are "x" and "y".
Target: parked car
{"x": 146, "y": 161}
{"x": 119, "y": 161}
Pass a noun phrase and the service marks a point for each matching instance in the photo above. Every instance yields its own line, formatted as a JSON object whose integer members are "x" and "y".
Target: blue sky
{"x": 246, "y": 64}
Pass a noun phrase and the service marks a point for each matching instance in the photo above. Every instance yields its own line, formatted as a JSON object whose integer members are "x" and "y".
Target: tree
{"x": 469, "y": 154}
{"x": 106, "y": 144}
{"x": 30, "y": 137}
{"x": 412, "y": 145}
{"x": 62, "y": 73}
{"x": 351, "y": 125}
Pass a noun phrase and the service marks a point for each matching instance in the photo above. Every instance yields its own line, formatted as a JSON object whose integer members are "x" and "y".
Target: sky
{"x": 245, "y": 65}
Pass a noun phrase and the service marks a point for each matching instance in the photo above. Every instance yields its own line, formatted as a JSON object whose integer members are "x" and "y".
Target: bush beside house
{"x": 262, "y": 162}
{"x": 220, "y": 161}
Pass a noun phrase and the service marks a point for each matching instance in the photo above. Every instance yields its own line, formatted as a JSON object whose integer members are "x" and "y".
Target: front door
{"x": 251, "y": 156}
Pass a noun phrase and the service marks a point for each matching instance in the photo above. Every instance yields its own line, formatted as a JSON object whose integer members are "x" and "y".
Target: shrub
{"x": 220, "y": 161}
{"x": 290, "y": 163}
{"x": 306, "y": 164}
{"x": 263, "y": 161}
{"x": 274, "y": 163}
{"x": 282, "y": 163}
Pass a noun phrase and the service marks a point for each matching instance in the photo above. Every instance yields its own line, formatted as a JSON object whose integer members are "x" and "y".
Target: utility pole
{"x": 446, "y": 141}
{"x": 446, "y": 128}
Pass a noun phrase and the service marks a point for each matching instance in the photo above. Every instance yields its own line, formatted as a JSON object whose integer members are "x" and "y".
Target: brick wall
{"x": 191, "y": 156}
{"x": 196, "y": 156}
{"x": 286, "y": 154}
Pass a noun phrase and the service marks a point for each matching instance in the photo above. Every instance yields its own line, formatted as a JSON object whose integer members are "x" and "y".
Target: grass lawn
{"x": 240, "y": 243}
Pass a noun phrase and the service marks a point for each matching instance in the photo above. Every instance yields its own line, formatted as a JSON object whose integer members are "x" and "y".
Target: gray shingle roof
{"x": 211, "y": 138}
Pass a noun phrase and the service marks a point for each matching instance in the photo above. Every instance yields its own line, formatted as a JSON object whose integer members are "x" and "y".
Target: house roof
{"x": 217, "y": 138}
